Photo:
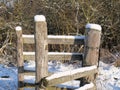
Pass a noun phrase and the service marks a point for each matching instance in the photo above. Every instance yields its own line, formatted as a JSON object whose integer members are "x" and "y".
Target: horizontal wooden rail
{"x": 52, "y": 39}
{"x": 31, "y": 73}
{"x": 55, "y": 56}
{"x": 62, "y": 77}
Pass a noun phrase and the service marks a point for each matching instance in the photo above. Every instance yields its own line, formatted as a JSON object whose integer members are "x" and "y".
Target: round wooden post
{"x": 20, "y": 56}
{"x": 92, "y": 44}
{"x": 41, "y": 47}
{"x": 91, "y": 52}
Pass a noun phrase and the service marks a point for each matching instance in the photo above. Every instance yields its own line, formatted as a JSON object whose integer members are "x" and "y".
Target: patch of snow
{"x": 29, "y": 66}
{"x": 58, "y": 36}
{"x": 66, "y": 37}
{"x": 28, "y": 53}
{"x": 70, "y": 84}
{"x": 29, "y": 79}
{"x": 52, "y": 53}
{"x": 8, "y": 78}
{"x": 108, "y": 76}
{"x": 18, "y": 28}
{"x": 57, "y": 66}
{"x": 62, "y": 53}
{"x": 53, "y": 66}
{"x": 85, "y": 87}
{"x": 29, "y": 88}
{"x": 38, "y": 18}
{"x": 94, "y": 26}
{"x": 27, "y": 36}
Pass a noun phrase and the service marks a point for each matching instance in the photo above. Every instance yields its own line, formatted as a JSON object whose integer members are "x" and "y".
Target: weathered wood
{"x": 19, "y": 56}
{"x": 91, "y": 52}
{"x": 29, "y": 39}
{"x": 55, "y": 56}
{"x": 65, "y": 56}
{"x": 62, "y": 77}
{"x": 29, "y": 55}
{"x": 92, "y": 43}
{"x": 28, "y": 72}
{"x": 59, "y": 39}
{"x": 41, "y": 48}
{"x": 32, "y": 73}
{"x": 66, "y": 39}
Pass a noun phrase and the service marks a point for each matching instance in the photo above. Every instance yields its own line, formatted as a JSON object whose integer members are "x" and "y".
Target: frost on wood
{"x": 94, "y": 26}
{"x": 28, "y": 36}
{"x": 58, "y": 36}
{"x": 62, "y": 53}
{"x": 18, "y": 28}
{"x": 52, "y": 53}
{"x": 66, "y": 37}
{"x": 39, "y": 18}
{"x": 66, "y": 73}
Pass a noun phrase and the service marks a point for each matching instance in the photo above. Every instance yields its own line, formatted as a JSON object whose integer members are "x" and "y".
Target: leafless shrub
{"x": 63, "y": 17}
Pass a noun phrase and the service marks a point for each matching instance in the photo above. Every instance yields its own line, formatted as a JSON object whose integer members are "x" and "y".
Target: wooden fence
{"x": 91, "y": 42}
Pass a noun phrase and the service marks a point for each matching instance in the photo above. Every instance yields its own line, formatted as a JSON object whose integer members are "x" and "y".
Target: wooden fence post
{"x": 41, "y": 48}
{"x": 91, "y": 52}
{"x": 20, "y": 57}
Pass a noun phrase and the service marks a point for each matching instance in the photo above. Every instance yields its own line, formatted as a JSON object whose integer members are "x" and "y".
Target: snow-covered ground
{"x": 108, "y": 78}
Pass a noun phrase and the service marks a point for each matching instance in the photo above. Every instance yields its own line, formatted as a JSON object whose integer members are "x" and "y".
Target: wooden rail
{"x": 59, "y": 39}
{"x": 62, "y": 77}
{"x": 65, "y": 76}
{"x": 55, "y": 56}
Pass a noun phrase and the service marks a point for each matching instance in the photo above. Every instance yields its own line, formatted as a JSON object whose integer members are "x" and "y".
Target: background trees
{"x": 63, "y": 17}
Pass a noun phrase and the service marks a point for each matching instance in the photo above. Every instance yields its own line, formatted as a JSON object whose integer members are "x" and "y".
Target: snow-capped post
{"x": 41, "y": 48}
{"x": 91, "y": 51}
{"x": 20, "y": 56}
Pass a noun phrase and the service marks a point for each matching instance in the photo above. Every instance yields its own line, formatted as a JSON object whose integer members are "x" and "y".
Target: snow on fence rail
{"x": 55, "y": 56}
{"x": 41, "y": 54}
{"x": 56, "y": 39}
{"x": 65, "y": 76}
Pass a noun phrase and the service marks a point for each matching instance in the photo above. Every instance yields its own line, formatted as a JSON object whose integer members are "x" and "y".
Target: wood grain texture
{"x": 20, "y": 58}
{"x": 29, "y": 39}
{"x": 91, "y": 52}
{"x": 55, "y": 56}
{"x": 67, "y": 77}
{"x": 41, "y": 50}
